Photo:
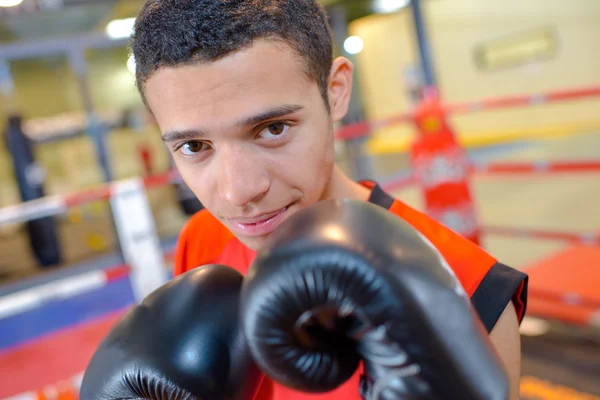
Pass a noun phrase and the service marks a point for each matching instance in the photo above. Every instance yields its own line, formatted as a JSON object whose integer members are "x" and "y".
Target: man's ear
{"x": 340, "y": 87}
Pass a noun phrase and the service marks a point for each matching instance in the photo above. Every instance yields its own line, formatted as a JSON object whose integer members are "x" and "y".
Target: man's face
{"x": 250, "y": 135}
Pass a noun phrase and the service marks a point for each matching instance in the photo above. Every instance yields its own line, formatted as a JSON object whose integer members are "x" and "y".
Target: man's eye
{"x": 191, "y": 148}
{"x": 274, "y": 131}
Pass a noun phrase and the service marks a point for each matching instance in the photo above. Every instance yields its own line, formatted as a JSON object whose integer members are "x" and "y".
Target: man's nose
{"x": 243, "y": 177}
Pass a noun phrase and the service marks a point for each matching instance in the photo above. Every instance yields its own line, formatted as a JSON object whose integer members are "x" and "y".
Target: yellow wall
{"x": 456, "y": 27}
{"x": 48, "y": 87}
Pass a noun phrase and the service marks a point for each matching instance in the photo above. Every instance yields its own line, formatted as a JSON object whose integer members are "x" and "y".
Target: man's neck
{"x": 342, "y": 187}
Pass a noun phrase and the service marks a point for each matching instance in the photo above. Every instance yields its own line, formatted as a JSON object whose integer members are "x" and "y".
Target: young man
{"x": 246, "y": 94}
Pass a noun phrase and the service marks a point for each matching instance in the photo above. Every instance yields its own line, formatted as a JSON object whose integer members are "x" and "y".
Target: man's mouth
{"x": 258, "y": 225}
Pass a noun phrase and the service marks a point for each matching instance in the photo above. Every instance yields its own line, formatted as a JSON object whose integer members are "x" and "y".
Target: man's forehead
{"x": 265, "y": 59}
{"x": 229, "y": 90}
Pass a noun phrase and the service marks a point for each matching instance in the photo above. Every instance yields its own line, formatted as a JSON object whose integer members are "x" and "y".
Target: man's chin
{"x": 254, "y": 243}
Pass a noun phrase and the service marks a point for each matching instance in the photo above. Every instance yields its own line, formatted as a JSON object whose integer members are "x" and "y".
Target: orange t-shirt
{"x": 490, "y": 284}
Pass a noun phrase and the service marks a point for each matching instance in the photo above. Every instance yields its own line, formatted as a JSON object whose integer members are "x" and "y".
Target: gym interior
{"x": 82, "y": 161}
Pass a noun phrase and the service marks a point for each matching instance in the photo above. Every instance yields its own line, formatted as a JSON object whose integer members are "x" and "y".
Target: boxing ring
{"x": 51, "y": 324}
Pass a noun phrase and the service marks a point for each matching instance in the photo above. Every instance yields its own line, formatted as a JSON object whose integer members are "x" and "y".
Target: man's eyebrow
{"x": 189, "y": 134}
{"x": 270, "y": 114}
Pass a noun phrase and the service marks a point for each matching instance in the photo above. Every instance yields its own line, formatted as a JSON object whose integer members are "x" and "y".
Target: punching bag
{"x": 43, "y": 237}
{"x": 187, "y": 200}
{"x": 441, "y": 166}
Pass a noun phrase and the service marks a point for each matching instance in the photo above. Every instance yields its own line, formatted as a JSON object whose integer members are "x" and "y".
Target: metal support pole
{"x": 423, "y": 43}
{"x": 96, "y": 129}
{"x": 7, "y": 86}
{"x": 359, "y": 161}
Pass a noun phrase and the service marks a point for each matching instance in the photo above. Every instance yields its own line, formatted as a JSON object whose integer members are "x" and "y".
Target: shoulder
{"x": 201, "y": 241}
{"x": 491, "y": 284}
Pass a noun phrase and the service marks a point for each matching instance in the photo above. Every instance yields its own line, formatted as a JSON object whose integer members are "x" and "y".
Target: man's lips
{"x": 255, "y": 220}
{"x": 258, "y": 225}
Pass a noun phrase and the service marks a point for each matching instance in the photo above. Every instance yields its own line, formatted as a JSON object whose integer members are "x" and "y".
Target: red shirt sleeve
{"x": 469, "y": 261}
{"x": 490, "y": 284}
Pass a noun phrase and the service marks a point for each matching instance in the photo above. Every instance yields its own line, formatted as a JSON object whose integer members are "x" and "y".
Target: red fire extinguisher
{"x": 441, "y": 167}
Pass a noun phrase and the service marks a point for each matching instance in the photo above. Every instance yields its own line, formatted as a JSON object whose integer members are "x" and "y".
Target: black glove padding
{"x": 183, "y": 342}
{"x": 344, "y": 281}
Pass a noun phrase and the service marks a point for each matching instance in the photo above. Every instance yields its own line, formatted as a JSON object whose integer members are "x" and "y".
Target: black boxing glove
{"x": 347, "y": 281}
{"x": 183, "y": 342}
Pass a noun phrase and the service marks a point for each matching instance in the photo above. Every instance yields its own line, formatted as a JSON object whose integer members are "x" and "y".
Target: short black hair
{"x": 169, "y": 33}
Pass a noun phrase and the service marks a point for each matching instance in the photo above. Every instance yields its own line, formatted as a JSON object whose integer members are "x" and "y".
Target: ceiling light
{"x": 131, "y": 64}
{"x": 354, "y": 45}
{"x": 534, "y": 327}
{"x": 10, "y": 3}
{"x": 389, "y": 6}
{"x": 120, "y": 28}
